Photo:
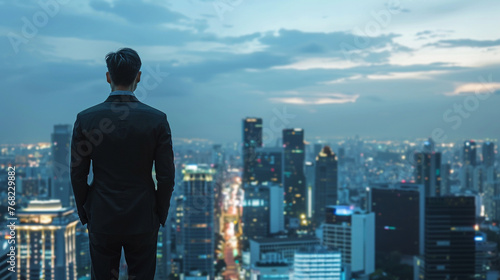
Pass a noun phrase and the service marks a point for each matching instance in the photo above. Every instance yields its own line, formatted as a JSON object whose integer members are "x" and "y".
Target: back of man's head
{"x": 123, "y": 66}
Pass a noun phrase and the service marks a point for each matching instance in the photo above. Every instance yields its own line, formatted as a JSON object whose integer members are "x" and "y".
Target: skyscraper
{"x": 450, "y": 249}
{"x": 252, "y": 138}
{"x": 470, "y": 152}
{"x": 399, "y": 223}
{"x": 352, "y": 231}
{"x": 488, "y": 151}
{"x": 326, "y": 185}
{"x": 294, "y": 182}
{"x": 317, "y": 263}
{"x": 262, "y": 210}
{"x": 429, "y": 145}
{"x": 61, "y": 183}
{"x": 268, "y": 166}
{"x": 46, "y": 241}
{"x": 428, "y": 172}
{"x": 5, "y": 262}
{"x": 445, "y": 178}
{"x": 197, "y": 221}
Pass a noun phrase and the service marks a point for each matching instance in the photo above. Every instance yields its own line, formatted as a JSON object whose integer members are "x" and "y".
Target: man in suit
{"x": 122, "y": 137}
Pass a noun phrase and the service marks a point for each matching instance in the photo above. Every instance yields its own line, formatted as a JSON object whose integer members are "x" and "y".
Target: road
{"x": 231, "y": 216}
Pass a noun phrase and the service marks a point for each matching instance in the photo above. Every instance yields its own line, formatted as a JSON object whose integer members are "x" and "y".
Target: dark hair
{"x": 123, "y": 66}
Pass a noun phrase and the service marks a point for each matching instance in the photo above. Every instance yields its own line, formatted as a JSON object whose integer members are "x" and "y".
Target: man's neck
{"x": 121, "y": 88}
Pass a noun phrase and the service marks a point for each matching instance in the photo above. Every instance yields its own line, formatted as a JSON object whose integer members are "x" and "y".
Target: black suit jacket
{"x": 122, "y": 137}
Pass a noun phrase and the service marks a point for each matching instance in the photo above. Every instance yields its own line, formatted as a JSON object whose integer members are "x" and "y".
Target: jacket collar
{"x": 122, "y": 98}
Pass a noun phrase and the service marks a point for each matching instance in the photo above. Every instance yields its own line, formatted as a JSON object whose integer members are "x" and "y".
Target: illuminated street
{"x": 231, "y": 229}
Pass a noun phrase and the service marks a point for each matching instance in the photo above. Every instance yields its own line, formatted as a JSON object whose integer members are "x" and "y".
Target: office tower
{"x": 488, "y": 150}
{"x": 449, "y": 238}
{"x": 252, "y": 139}
{"x": 470, "y": 153}
{"x": 317, "y": 263}
{"x": 218, "y": 157}
{"x": 326, "y": 185}
{"x": 310, "y": 173}
{"x": 262, "y": 210}
{"x": 163, "y": 252}
{"x": 491, "y": 193}
{"x": 352, "y": 231}
{"x": 5, "y": 262}
{"x": 445, "y": 179}
{"x": 478, "y": 178}
{"x": 271, "y": 269}
{"x": 467, "y": 177}
{"x": 197, "y": 222}
{"x": 341, "y": 155}
{"x": 428, "y": 172}
{"x": 293, "y": 177}
{"x": 486, "y": 255}
{"x": 82, "y": 251}
{"x": 46, "y": 241}
{"x": 29, "y": 186}
{"x": 429, "y": 145}
{"x": 61, "y": 185}
{"x": 316, "y": 150}
{"x": 285, "y": 247}
{"x": 268, "y": 166}
{"x": 399, "y": 224}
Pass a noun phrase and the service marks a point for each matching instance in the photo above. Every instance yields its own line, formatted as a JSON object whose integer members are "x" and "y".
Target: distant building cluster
{"x": 339, "y": 208}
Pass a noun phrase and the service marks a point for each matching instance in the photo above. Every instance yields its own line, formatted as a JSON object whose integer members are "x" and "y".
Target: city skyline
{"x": 341, "y": 69}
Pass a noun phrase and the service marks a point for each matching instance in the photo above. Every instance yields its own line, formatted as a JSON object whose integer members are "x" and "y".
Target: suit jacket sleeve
{"x": 80, "y": 165}
{"x": 165, "y": 170}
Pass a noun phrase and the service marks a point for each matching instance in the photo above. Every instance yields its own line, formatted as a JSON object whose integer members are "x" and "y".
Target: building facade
{"x": 252, "y": 139}
{"x": 450, "y": 248}
{"x": 352, "y": 232}
{"x": 197, "y": 220}
{"x": 294, "y": 181}
{"x": 46, "y": 244}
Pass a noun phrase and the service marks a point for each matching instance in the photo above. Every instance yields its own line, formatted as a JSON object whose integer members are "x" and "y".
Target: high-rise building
{"x": 197, "y": 221}
{"x": 61, "y": 184}
{"x": 429, "y": 145}
{"x": 317, "y": 263}
{"x": 428, "y": 172}
{"x": 46, "y": 241}
{"x": 264, "y": 270}
{"x": 326, "y": 185}
{"x": 450, "y": 248}
{"x": 470, "y": 152}
{"x": 352, "y": 231}
{"x": 268, "y": 166}
{"x": 262, "y": 210}
{"x": 310, "y": 173}
{"x": 163, "y": 253}
{"x": 445, "y": 179}
{"x": 486, "y": 255}
{"x": 488, "y": 151}
{"x": 294, "y": 182}
{"x": 82, "y": 252}
{"x": 7, "y": 266}
{"x": 285, "y": 247}
{"x": 252, "y": 139}
{"x": 399, "y": 224}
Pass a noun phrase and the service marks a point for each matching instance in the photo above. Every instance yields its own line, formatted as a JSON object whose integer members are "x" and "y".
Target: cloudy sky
{"x": 380, "y": 69}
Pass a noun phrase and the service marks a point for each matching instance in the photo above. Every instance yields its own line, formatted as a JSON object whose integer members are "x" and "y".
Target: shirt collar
{"x": 121, "y": 92}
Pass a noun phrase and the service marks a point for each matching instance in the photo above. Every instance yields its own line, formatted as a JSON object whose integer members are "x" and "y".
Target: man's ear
{"x": 108, "y": 77}
{"x": 138, "y": 78}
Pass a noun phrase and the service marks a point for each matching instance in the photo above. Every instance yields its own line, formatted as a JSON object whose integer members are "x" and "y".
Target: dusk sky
{"x": 383, "y": 69}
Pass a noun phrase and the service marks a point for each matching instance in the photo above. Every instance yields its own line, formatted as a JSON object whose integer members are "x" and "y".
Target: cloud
{"x": 138, "y": 12}
{"x": 318, "y": 99}
{"x": 465, "y": 43}
{"x": 476, "y": 88}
